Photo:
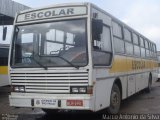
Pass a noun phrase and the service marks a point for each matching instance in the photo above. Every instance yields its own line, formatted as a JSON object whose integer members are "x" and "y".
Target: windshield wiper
{"x": 68, "y": 62}
{"x": 35, "y": 61}
{"x": 40, "y": 64}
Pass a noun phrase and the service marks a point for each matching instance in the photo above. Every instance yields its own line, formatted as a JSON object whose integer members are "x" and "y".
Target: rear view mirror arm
{"x": 4, "y": 33}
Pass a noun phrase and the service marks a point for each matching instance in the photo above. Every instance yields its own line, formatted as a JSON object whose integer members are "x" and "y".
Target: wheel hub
{"x": 115, "y": 99}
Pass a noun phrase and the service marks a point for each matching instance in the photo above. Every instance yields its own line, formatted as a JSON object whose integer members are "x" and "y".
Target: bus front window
{"x": 55, "y": 44}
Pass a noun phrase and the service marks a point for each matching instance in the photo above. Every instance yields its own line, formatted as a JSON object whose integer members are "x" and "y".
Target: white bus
{"x": 77, "y": 57}
{"x": 4, "y": 51}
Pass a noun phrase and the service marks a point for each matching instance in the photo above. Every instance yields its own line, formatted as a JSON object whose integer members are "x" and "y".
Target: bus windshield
{"x": 54, "y": 44}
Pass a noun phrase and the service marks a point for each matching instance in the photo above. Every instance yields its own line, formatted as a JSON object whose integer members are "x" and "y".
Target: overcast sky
{"x": 142, "y": 15}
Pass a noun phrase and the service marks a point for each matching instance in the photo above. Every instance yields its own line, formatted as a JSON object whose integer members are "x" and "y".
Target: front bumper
{"x": 60, "y": 101}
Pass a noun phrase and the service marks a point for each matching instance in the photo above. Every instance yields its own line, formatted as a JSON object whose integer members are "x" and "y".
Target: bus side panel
{"x": 149, "y": 69}
{"x": 103, "y": 92}
{"x": 143, "y": 79}
{"x": 138, "y": 74}
{"x": 119, "y": 71}
{"x": 155, "y": 72}
{"x": 139, "y": 81}
{"x": 146, "y": 79}
{"x": 131, "y": 76}
{"x": 124, "y": 86}
{"x": 155, "y": 76}
{"x": 103, "y": 88}
{"x": 131, "y": 85}
{"x": 140, "y": 77}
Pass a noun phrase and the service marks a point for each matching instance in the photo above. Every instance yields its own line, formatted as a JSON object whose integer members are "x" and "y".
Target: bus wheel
{"x": 148, "y": 89}
{"x": 115, "y": 100}
{"x": 50, "y": 111}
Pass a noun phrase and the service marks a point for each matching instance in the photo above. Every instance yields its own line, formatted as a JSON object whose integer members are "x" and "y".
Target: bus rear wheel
{"x": 115, "y": 100}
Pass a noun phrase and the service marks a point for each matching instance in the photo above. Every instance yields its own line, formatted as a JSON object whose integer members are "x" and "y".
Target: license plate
{"x": 74, "y": 103}
{"x": 45, "y": 102}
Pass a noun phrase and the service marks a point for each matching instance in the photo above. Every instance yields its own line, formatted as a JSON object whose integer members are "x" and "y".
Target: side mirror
{"x": 97, "y": 29}
{"x": 4, "y": 33}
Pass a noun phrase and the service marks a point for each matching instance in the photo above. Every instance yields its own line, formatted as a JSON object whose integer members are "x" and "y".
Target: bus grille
{"x": 50, "y": 82}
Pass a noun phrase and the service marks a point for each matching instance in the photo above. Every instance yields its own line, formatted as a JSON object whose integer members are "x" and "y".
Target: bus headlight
{"x": 74, "y": 90}
{"x": 18, "y": 88}
{"x": 21, "y": 89}
{"x": 80, "y": 90}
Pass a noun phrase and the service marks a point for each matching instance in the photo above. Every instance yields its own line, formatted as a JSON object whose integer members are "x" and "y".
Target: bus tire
{"x": 50, "y": 111}
{"x": 115, "y": 100}
{"x": 148, "y": 89}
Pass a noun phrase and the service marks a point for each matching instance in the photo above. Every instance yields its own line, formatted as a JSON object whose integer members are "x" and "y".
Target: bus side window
{"x": 119, "y": 45}
{"x": 105, "y": 43}
{"x": 117, "y": 30}
{"x": 129, "y": 48}
{"x": 102, "y": 50}
{"x": 135, "y": 39}
{"x": 141, "y": 42}
{"x": 127, "y": 35}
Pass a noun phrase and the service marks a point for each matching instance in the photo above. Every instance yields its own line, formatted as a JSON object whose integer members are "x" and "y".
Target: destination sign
{"x": 52, "y": 13}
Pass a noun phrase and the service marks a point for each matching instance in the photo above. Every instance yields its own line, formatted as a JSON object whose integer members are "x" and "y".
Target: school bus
{"x": 76, "y": 56}
{"x": 4, "y": 50}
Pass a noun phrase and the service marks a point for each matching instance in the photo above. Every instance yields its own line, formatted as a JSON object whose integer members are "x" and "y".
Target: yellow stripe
{"x": 3, "y": 70}
{"x": 128, "y": 64}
